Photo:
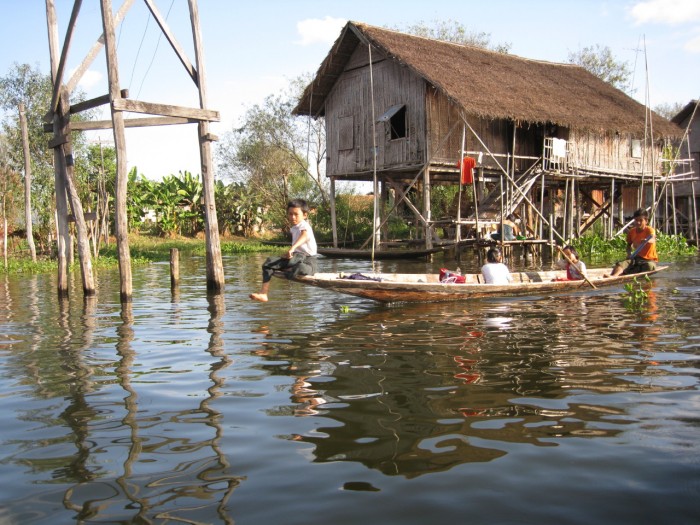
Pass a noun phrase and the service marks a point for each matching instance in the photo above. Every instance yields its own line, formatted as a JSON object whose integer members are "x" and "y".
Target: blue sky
{"x": 252, "y": 49}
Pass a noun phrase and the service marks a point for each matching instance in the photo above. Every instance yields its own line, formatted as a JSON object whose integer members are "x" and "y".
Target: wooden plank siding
{"x": 350, "y": 125}
{"x": 611, "y": 153}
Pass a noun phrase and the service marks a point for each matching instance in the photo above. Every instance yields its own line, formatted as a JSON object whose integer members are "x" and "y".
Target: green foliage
{"x": 276, "y": 156}
{"x": 595, "y": 248}
{"x": 237, "y": 208}
{"x": 674, "y": 245}
{"x": 635, "y": 296}
{"x": 601, "y": 62}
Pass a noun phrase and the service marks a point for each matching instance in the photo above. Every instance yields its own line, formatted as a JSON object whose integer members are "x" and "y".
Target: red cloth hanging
{"x": 467, "y": 166}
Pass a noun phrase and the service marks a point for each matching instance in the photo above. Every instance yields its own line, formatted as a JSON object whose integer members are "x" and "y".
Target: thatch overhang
{"x": 493, "y": 85}
{"x": 684, "y": 113}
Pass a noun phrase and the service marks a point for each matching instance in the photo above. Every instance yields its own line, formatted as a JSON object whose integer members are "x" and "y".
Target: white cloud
{"x": 693, "y": 45}
{"x": 89, "y": 79}
{"x": 319, "y": 31}
{"x": 671, "y": 12}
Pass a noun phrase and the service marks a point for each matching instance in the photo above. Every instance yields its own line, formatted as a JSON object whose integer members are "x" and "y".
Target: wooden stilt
{"x": 215, "y": 267}
{"x": 120, "y": 218}
{"x": 62, "y": 234}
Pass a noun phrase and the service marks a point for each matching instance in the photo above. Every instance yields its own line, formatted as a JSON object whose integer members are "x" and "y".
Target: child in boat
{"x": 300, "y": 259}
{"x": 641, "y": 247}
{"x": 575, "y": 267}
{"x": 494, "y": 271}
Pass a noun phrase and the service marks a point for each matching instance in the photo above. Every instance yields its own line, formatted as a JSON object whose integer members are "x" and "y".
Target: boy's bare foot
{"x": 262, "y": 297}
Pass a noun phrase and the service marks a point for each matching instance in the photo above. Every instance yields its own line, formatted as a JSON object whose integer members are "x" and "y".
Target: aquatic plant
{"x": 635, "y": 296}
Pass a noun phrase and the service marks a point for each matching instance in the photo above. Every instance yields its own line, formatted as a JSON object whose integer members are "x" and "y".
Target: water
{"x": 191, "y": 408}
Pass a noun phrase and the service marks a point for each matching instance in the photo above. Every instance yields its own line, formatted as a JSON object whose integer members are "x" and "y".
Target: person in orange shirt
{"x": 641, "y": 247}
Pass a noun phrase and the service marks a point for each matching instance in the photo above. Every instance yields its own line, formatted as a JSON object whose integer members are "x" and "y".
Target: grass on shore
{"x": 144, "y": 249}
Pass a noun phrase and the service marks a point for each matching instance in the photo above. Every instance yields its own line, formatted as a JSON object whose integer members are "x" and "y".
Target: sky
{"x": 252, "y": 49}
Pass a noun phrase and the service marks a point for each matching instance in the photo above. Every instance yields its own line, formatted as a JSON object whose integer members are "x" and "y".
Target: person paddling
{"x": 641, "y": 247}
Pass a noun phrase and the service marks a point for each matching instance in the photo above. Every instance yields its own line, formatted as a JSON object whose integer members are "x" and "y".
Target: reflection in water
{"x": 442, "y": 385}
{"x": 189, "y": 408}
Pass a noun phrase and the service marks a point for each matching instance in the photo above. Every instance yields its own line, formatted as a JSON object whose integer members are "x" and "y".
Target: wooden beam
{"x": 90, "y": 125}
{"x": 70, "y": 86}
{"x": 166, "y": 110}
{"x": 58, "y": 140}
{"x": 94, "y": 102}
{"x": 58, "y": 80}
{"x": 173, "y": 42}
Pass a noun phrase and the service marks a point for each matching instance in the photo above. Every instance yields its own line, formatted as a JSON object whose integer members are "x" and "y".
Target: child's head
{"x": 640, "y": 217}
{"x": 571, "y": 252}
{"x": 494, "y": 255}
{"x": 297, "y": 211}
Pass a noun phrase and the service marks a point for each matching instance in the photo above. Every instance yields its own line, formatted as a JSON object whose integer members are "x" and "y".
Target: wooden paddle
{"x": 639, "y": 248}
{"x": 572, "y": 262}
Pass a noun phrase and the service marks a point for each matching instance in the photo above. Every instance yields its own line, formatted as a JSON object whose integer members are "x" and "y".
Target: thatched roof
{"x": 492, "y": 85}
{"x": 684, "y": 113}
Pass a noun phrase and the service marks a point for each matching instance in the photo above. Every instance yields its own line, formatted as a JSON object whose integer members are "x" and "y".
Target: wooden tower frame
{"x": 162, "y": 114}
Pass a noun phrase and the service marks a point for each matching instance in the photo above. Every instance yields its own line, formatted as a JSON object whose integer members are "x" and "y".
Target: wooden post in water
{"x": 62, "y": 235}
{"x": 174, "y": 267}
{"x": 74, "y": 199}
{"x": 215, "y": 267}
{"x": 120, "y": 219}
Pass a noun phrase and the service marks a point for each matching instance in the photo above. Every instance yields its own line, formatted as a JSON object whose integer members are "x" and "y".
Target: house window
{"x": 636, "y": 152}
{"x": 396, "y": 117}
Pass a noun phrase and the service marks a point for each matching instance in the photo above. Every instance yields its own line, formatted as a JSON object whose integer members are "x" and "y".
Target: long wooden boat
{"x": 392, "y": 287}
{"x": 391, "y": 253}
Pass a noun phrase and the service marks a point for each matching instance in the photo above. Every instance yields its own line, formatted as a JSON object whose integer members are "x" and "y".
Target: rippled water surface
{"x": 323, "y": 408}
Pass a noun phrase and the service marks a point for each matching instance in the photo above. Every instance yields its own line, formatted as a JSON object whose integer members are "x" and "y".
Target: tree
{"x": 669, "y": 110}
{"x": 601, "y": 62}
{"x": 277, "y": 155}
{"x": 26, "y": 84}
{"x": 455, "y": 32}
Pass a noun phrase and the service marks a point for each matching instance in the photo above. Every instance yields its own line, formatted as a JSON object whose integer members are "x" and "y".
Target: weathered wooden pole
{"x": 61, "y": 143}
{"x": 120, "y": 219}
{"x": 62, "y": 234}
{"x": 64, "y": 134}
{"x": 27, "y": 182}
{"x": 215, "y": 268}
{"x": 174, "y": 267}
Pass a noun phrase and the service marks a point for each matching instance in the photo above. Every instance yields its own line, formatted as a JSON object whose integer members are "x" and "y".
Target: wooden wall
{"x": 612, "y": 153}
{"x": 349, "y": 123}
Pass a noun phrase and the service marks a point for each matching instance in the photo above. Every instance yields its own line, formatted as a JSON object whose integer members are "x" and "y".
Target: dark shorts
{"x": 298, "y": 265}
{"x": 636, "y": 265}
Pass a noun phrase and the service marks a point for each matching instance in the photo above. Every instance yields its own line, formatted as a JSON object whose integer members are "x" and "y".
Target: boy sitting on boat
{"x": 300, "y": 259}
{"x": 641, "y": 247}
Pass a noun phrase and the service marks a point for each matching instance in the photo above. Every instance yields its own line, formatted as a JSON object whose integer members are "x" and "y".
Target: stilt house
{"x": 550, "y": 142}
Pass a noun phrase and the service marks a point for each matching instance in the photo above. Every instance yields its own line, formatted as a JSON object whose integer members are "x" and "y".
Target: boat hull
{"x": 427, "y": 287}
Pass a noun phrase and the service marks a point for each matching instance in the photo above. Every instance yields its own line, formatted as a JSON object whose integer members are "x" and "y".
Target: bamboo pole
{"x": 215, "y": 267}
{"x": 673, "y": 209}
{"x": 27, "y": 181}
{"x": 334, "y": 222}
{"x": 458, "y": 226}
{"x": 695, "y": 211}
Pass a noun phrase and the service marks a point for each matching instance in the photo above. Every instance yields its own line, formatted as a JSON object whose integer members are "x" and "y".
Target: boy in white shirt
{"x": 300, "y": 259}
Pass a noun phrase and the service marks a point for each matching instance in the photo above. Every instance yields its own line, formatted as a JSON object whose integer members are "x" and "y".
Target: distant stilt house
{"x": 552, "y": 143}
{"x": 685, "y": 194}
